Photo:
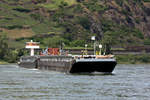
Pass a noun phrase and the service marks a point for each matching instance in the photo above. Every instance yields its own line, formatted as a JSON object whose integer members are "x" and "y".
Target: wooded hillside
{"x": 118, "y": 22}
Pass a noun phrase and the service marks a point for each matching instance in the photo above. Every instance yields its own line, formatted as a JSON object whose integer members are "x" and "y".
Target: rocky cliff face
{"x": 130, "y": 13}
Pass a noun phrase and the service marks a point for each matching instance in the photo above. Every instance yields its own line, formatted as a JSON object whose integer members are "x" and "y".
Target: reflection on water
{"x": 128, "y": 82}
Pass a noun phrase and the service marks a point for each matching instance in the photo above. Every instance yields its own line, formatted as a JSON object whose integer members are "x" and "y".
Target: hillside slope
{"x": 117, "y": 22}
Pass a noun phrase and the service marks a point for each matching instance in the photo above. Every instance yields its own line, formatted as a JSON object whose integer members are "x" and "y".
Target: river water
{"x": 128, "y": 82}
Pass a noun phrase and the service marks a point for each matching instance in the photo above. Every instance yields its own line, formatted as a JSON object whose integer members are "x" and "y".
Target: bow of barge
{"x": 93, "y": 65}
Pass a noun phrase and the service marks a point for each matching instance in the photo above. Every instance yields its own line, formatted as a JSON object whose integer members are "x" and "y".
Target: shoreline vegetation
{"x": 121, "y": 59}
{"x": 133, "y": 59}
{"x": 3, "y": 62}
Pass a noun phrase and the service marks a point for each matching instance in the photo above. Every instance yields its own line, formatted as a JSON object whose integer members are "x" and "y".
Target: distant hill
{"x": 118, "y": 22}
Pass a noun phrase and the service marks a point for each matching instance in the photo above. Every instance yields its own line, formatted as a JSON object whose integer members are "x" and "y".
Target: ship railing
{"x": 93, "y": 56}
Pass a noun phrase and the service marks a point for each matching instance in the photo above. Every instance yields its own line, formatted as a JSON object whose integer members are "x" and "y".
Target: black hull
{"x": 89, "y": 67}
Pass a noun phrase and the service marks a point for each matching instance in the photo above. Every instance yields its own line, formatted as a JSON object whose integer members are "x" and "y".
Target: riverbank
{"x": 122, "y": 59}
{"x": 133, "y": 59}
{"x": 3, "y": 62}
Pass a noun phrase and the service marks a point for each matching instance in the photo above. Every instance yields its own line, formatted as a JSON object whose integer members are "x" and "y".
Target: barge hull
{"x": 89, "y": 67}
{"x": 68, "y": 64}
{"x": 55, "y": 63}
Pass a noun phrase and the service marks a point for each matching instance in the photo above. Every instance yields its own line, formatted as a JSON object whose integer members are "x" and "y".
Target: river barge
{"x": 69, "y": 64}
{"x": 55, "y": 61}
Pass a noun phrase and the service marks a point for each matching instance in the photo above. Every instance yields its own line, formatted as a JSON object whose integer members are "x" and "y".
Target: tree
{"x": 107, "y": 42}
{"x": 3, "y": 46}
{"x": 11, "y": 56}
{"x": 52, "y": 42}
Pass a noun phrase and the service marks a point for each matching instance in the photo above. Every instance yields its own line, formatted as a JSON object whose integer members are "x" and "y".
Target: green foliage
{"x": 39, "y": 1}
{"x": 36, "y": 16}
{"x": 120, "y": 34}
{"x": 119, "y": 2}
{"x": 146, "y": 0}
{"x": 107, "y": 41}
{"x": 137, "y": 20}
{"x": 58, "y": 15}
{"x": 84, "y": 21}
{"x": 78, "y": 9}
{"x": 107, "y": 25}
{"x": 13, "y": 27}
{"x": 137, "y": 33}
{"x": 7, "y": 54}
{"x": 52, "y": 42}
{"x": 147, "y": 42}
{"x": 16, "y": 19}
{"x": 137, "y": 1}
{"x": 126, "y": 13}
{"x": 56, "y": 4}
{"x": 133, "y": 58}
{"x": 68, "y": 19}
{"x": 11, "y": 56}
{"x": 77, "y": 43}
{"x": 3, "y": 46}
{"x": 63, "y": 4}
{"x": 21, "y": 9}
{"x": 93, "y": 5}
{"x": 41, "y": 28}
{"x": 68, "y": 36}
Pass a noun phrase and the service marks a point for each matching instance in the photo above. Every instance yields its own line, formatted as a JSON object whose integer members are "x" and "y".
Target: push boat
{"x": 53, "y": 60}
